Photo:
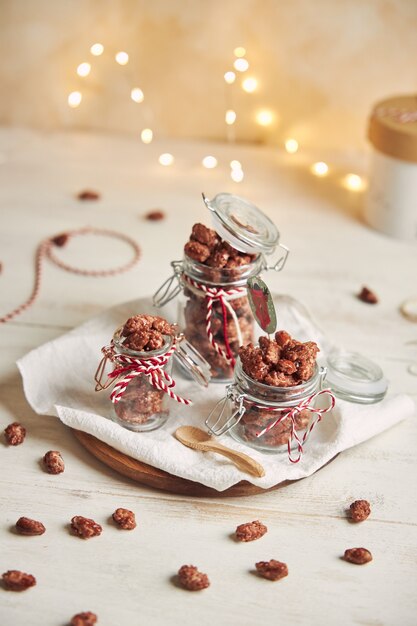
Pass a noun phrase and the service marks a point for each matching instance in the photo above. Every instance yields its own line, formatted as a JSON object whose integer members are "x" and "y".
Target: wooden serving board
{"x": 158, "y": 479}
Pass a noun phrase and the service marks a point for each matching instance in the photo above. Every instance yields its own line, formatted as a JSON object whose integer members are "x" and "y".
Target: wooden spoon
{"x": 199, "y": 440}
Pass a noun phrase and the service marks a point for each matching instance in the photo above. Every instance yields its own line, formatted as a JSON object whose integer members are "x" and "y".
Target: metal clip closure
{"x": 219, "y": 421}
{"x": 280, "y": 263}
{"x": 322, "y": 376}
{"x": 168, "y": 290}
{"x": 98, "y": 376}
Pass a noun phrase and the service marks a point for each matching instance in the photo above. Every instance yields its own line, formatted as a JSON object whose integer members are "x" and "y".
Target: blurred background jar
{"x": 391, "y": 205}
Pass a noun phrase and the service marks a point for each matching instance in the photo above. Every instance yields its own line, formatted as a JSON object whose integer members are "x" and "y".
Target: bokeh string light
{"x": 84, "y": 69}
{"x": 122, "y": 58}
{"x": 291, "y": 145}
{"x": 97, "y": 49}
{"x": 263, "y": 117}
{"x": 320, "y": 169}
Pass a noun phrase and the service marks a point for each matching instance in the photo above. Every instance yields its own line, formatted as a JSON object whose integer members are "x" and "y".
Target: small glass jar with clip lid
{"x": 215, "y": 314}
{"x": 280, "y": 393}
{"x": 141, "y": 353}
{"x": 273, "y": 403}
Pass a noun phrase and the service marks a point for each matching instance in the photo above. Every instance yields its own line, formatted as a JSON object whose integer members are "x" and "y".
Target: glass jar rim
{"x": 199, "y": 271}
{"x": 285, "y": 396}
{"x": 118, "y": 344}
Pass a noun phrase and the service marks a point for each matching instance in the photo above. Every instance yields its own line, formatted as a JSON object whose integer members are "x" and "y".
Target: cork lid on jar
{"x": 393, "y": 127}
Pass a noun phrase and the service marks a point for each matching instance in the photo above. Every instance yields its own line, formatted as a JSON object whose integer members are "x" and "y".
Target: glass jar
{"x": 215, "y": 313}
{"x": 391, "y": 204}
{"x": 222, "y": 293}
{"x": 143, "y": 385}
{"x": 268, "y": 418}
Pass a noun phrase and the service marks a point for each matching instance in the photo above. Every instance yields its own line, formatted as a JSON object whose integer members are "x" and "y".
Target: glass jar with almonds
{"x": 272, "y": 404}
{"x": 212, "y": 277}
{"x": 141, "y": 354}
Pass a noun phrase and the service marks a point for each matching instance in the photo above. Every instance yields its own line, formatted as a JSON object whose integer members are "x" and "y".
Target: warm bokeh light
{"x": 320, "y": 169}
{"x": 146, "y": 135}
{"x": 239, "y": 51}
{"x": 83, "y": 69}
{"x": 241, "y": 65}
{"x": 249, "y": 85}
{"x": 353, "y": 182}
{"x": 237, "y": 175}
{"x": 122, "y": 58}
{"x": 209, "y": 162}
{"x": 137, "y": 95}
{"x": 235, "y": 165}
{"x": 230, "y": 77}
{"x": 264, "y": 118}
{"x": 291, "y": 146}
{"x": 166, "y": 159}
{"x": 74, "y": 99}
{"x": 230, "y": 117}
{"x": 97, "y": 49}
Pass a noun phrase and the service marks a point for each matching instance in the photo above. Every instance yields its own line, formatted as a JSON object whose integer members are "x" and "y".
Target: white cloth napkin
{"x": 58, "y": 380}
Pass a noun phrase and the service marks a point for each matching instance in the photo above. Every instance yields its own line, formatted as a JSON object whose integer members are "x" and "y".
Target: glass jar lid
{"x": 355, "y": 378}
{"x": 192, "y": 361}
{"x": 242, "y": 224}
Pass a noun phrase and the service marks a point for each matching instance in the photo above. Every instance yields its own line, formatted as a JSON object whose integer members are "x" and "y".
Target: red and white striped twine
{"x": 46, "y": 250}
{"x": 221, "y": 295}
{"x": 128, "y": 367}
{"x": 304, "y": 405}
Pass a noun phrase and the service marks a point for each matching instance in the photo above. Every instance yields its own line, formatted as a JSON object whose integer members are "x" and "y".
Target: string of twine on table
{"x": 46, "y": 250}
{"x": 129, "y": 367}
{"x": 223, "y": 296}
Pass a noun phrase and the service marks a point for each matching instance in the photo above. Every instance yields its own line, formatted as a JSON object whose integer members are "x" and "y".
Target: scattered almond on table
{"x": 155, "y": 216}
{"x": 54, "y": 463}
{"x": 358, "y": 556}
{"x": 272, "y": 570}
{"x": 251, "y": 531}
{"x": 124, "y": 518}
{"x": 85, "y": 527}
{"x": 15, "y": 580}
{"x": 15, "y": 434}
{"x": 368, "y": 296}
{"x": 87, "y": 618}
{"x": 88, "y": 194}
{"x": 360, "y": 510}
{"x": 191, "y": 579}
{"x": 29, "y": 527}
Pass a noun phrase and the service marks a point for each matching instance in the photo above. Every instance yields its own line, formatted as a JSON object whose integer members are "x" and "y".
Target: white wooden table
{"x": 126, "y": 577}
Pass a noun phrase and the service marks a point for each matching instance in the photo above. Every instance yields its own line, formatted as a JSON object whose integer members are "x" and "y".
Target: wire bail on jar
{"x": 219, "y": 422}
{"x": 171, "y": 287}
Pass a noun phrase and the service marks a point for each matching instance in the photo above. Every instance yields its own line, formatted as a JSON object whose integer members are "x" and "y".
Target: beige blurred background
{"x": 320, "y": 65}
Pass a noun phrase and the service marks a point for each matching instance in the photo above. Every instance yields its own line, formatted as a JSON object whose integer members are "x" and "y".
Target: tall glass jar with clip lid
{"x": 212, "y": 277}
{"x": 143, "y": 390}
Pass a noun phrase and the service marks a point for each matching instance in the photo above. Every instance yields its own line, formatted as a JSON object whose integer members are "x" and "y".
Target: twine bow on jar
{"x": 223, "y": 296}
{"x": 304, "y": 405}
{"x": 127, "y": 367}
{"x": 219, "y": 421}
